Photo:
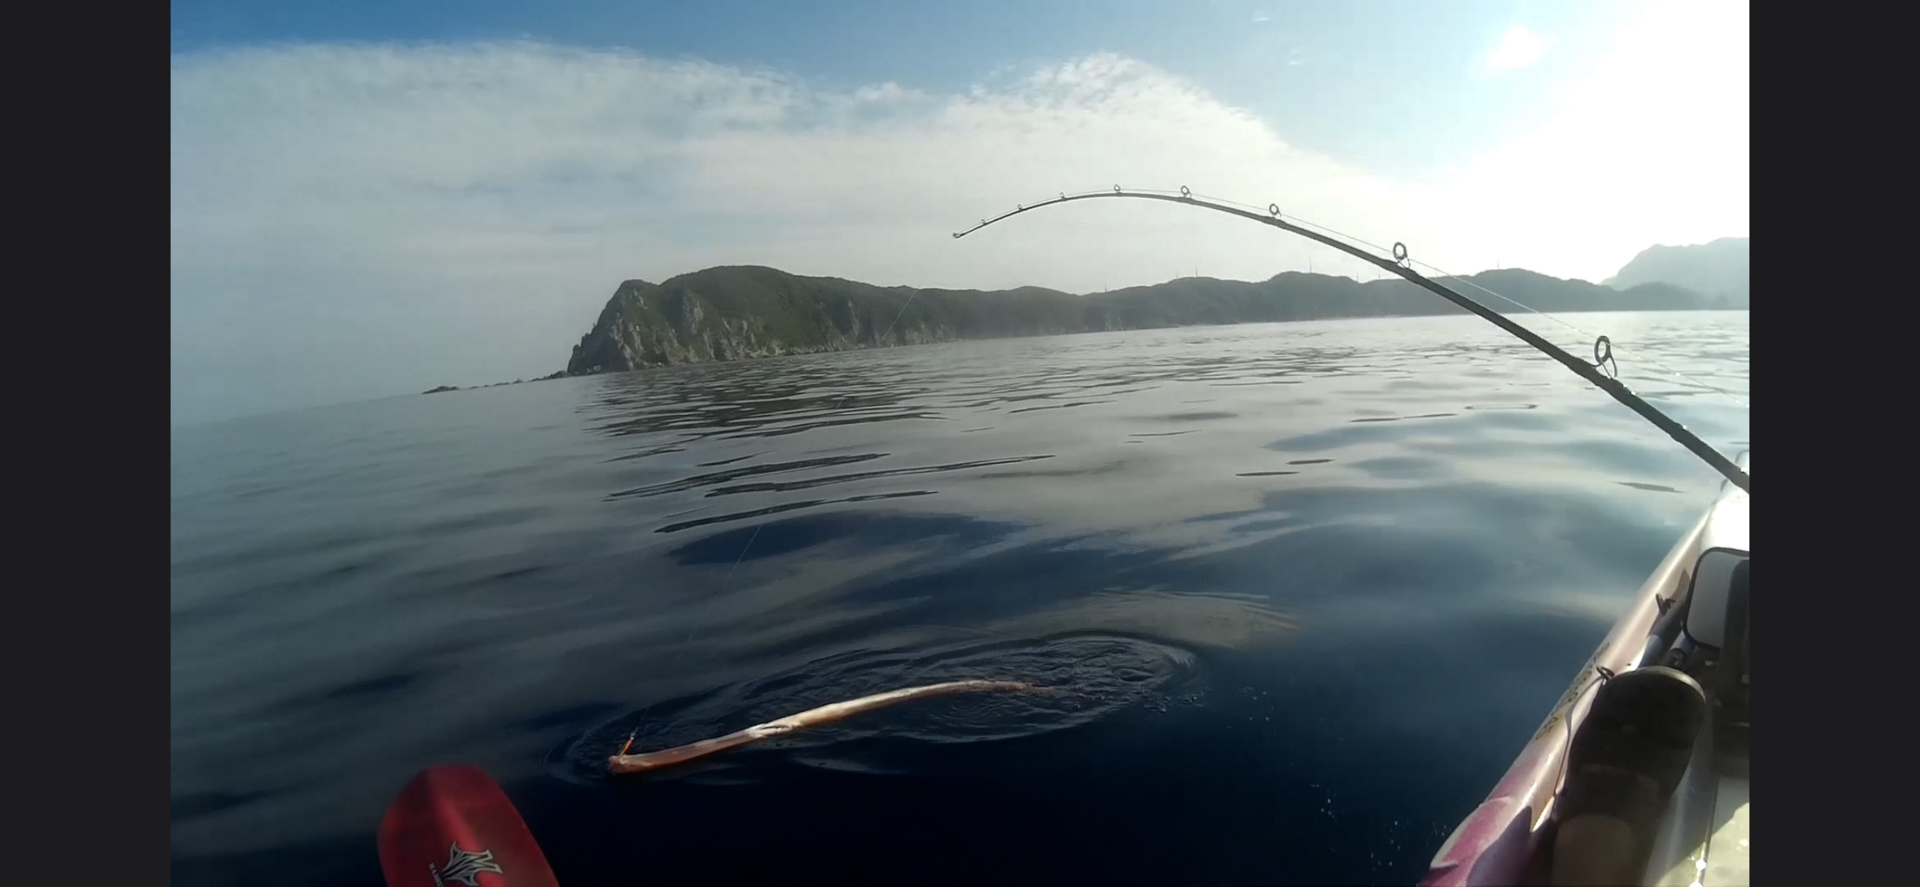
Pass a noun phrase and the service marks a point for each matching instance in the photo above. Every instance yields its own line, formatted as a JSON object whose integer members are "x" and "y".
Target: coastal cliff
{"x": 741, "y": 312}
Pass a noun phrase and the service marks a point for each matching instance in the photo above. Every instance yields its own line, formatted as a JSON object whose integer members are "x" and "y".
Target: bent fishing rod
{"x": 1402, "y": 265}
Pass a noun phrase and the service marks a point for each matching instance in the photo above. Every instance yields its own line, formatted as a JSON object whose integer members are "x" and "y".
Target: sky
{"x": 374, "y": 198}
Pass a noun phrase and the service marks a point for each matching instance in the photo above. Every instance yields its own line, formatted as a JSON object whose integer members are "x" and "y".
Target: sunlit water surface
{"x": 1310, "y": 586}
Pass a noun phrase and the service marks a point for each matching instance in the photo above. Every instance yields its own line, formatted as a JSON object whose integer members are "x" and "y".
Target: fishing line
{"x": 1635, "y": 352}
{"x": 889, "y": 331}
{"x": 1307, "y": 223}
{"x": 1638, "y": 355}
{"x": 727, "y": 580}
{"x": 1601, "y": 372}
{"x": 704, "y": 607}
{"x": 836, "y": 405}
{"x": 901, "y": 313}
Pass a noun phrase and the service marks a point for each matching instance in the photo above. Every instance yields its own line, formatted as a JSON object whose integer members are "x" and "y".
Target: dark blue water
{"x": 1313, "y": 585}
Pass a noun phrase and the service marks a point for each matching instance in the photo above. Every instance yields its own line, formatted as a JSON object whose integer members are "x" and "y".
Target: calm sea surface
{"x": 1313, "y": 585}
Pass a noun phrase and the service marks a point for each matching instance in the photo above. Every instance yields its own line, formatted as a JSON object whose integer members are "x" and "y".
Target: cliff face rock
{"x": 1718, "y": 270}
{"x": 739, "y": 312}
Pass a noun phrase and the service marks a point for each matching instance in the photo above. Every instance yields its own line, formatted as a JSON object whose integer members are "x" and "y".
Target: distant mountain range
{"x": 1717, "y": 270}
{"x": 746, "y": 311}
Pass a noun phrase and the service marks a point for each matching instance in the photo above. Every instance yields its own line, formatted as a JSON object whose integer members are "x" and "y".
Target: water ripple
{"x": 1085, "y": 677}
{"x": 1266, "y": 563}
{"x": 724, "y": 476}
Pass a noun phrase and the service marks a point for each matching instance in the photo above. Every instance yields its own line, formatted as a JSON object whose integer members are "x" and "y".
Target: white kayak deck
{"x": 1702, "y": 841}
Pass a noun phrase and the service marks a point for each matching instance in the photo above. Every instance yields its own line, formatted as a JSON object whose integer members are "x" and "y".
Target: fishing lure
{"x": 623, "y": 763}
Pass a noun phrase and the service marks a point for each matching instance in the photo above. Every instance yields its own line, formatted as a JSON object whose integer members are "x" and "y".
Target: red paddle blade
{"x": 453, "y": 826}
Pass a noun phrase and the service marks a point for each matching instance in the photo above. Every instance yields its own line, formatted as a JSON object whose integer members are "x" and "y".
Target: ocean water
{"x": 1309, "y": 587}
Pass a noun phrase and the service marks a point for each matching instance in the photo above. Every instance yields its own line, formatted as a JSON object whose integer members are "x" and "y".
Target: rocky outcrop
{"x": 740, "y": 312}
{"x": 557, "y": 374}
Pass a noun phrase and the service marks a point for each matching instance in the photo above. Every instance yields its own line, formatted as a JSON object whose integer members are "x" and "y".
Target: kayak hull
{"x": 1505, "y": 839}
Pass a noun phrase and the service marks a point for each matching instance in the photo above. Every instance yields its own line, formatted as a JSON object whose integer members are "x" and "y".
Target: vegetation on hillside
{"x": 735, "y": 312}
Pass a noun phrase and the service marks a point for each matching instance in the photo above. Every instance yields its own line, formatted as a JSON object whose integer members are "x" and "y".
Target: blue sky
{"x": 445, "y": 192}
{"x": 1390, "y": 84}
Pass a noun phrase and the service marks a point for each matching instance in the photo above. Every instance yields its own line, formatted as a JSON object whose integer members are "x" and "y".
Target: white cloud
{"x": 1518, "y": 48}
{"x": 1650, "y": 146}
{"x": 351, "y": 221}
{"x": 355, "y": 220}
